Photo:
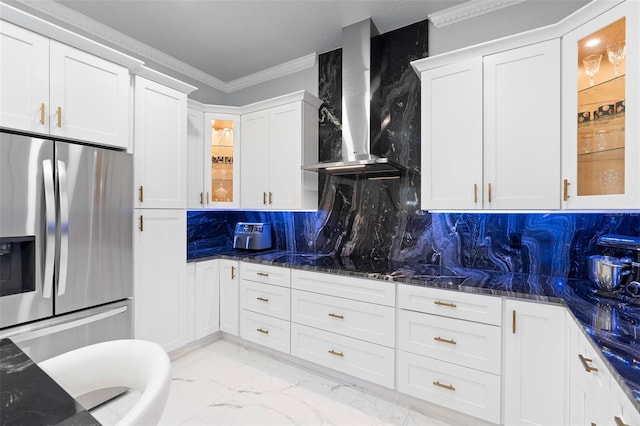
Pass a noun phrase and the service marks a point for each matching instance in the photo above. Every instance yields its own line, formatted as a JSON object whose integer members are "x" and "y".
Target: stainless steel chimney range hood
{"x": 359, "y": 123}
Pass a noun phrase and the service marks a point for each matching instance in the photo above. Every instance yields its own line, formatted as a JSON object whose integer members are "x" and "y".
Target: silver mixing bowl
{"x": 608, "y": 272}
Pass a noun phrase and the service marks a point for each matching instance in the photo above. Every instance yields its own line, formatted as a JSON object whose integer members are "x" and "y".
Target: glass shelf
{"x": 600, "y": 151}
{"x": 610, "y": 84}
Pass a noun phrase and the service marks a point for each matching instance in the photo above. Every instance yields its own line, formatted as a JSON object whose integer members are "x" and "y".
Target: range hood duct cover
{"x": 360, "y": 109}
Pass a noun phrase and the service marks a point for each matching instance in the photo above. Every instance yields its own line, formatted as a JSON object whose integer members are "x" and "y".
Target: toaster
{"x": 252, "y": 236}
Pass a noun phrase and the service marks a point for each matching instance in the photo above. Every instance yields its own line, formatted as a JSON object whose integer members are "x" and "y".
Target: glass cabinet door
{"x": 600, "y": 151}
{"x": 221, "y": 160}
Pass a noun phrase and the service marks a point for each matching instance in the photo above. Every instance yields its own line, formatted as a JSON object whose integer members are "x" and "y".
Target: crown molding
{"x": 79, "y": 22}
{"x": 468, "y": 10}
{"x": 274, "y": 72}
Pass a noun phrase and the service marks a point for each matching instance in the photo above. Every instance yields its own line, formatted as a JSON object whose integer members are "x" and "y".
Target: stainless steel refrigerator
{"x": 66, "y": 243}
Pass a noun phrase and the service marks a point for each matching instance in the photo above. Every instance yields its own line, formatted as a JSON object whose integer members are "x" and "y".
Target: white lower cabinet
{"x": 229, "y": 294}
{"x": 621, "y": 410}
{"x": 265, "y": 330}
{"x": 160, "y": 290}
{"x": 207, "y": 298}
{"x": 535, "y": 364}
{"x": 365, "y": 360}
{"x": 459, "y": 388}
{"x": 265, "y": 302}
{"x": 449, "y": 349}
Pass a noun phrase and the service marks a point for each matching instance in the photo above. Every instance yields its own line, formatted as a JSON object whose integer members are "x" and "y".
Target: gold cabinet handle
{"x": 262, "y": 299}
{"x": 475, "y": 193}
{"x": 449, "y": 341}
{"x": 201, "y": 199}
{"x": 270, "y": 198}
{"x": 489, "y": 192}
{"x": 141, "y": 223}
{"x": 233, "y": 272}
{"x": 207, "y": 197}
{"x": 619, "y": 421}
{"x": 440, "y": 385}
{"x": 332, "y": 352}
{"x": 262, "y": 330}
{"x": 585, "y": 363}
{"x": 59, "y": 112}
{"x": 565, "y": 191}
{"x": 42, "y": 113}
{"x": 331, "y": 314}
{"x": 141, "y": 193}
{"x": 513, "y": 322}
{"x": 262, "y": 274}
{"x": 439, "y": 303}
{"x": 264, "y": 198}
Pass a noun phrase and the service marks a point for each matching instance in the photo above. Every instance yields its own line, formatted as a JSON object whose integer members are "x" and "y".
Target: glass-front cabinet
{"x": 221, "y": 160}
{"x": 601, "y": 149}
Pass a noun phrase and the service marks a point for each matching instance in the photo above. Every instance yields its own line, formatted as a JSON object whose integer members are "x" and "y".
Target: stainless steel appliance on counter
{"x": 252, "y": 236}
{"x": 66, "y": 244}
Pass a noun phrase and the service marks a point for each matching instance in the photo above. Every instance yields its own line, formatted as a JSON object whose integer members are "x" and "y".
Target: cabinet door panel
{"x": 24, "y": 79}
{"x": 285, "y": 175}
{"x": 160, "y": 134}
{"x": 93, "y": 95}
{"x": 254, "y": 152}
{"x": 207, "y": 298}
{"x": 452, "y": 136}
{"x": 229, "y": 297}
{"x": 196, "y": 196}
{"x": 534, "y": 364}
{"x": 160, "y": 272}
{"x": 522, "y": 128}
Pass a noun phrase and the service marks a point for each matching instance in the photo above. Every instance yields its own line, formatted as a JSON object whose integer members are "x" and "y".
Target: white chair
{"x": 135, "y": 364}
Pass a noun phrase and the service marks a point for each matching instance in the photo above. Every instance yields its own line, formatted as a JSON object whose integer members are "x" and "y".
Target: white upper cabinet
{"x": 477, "y": 150}
{"x": 522, "y": 128}
{"x": 278, "y": 137}
{"x": 89, "y": 97}
{"x": 160, "y": 139}
{"x": 452, "y": 152}
{"x": 600, "y": 148}
{"x": 221, "y": 160}
{"x": 52, "y": 88}
{"x": 24, "y": 79}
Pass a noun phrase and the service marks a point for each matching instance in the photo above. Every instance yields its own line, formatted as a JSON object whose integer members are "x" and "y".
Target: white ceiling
{"x": 230, "y": 39}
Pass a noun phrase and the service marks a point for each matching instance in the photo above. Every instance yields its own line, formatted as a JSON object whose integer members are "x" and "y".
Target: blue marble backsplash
{"x": 552, "y": 244}
{"x": 382, "y": 220}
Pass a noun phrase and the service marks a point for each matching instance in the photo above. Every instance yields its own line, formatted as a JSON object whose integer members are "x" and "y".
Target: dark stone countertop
{"x": 28, "y": 396}
{"x": 612, "y": 325}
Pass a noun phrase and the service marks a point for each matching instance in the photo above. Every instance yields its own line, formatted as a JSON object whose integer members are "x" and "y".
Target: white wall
{"x": 306, "y": 79}
{"x": 514, "y": 19}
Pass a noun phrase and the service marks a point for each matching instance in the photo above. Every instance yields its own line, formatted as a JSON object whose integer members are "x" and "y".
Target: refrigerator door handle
{"x": 64, "y": 227}
{"x": 50, "y": 231}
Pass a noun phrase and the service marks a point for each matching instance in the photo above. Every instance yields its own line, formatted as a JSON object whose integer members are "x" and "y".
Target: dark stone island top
{"x": 612, "y": 325}
{"x": 29, "y": 397}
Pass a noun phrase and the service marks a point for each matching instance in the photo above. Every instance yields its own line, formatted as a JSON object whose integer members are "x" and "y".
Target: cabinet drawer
{"x": 472, "y": 307}
{"x": 465, "y": 343}
{"x": 361, "y": 320}
{"x": 265, "y": 274}
{"x": 374, "y": 291}
{"x": 266, "y": 299}
{"x": 264, "y": 330}
{"x": 365, "y": 360}
{"x": 462, "y": 389}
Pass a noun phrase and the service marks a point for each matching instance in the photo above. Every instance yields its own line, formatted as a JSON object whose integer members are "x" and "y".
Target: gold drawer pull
{"x": 619, "y": 421}
{"x": 439, "y": 303}
{"x": 565, "y": 190}
{"x": 331, "y": 314}
{"x": 262, "y": 274}
{"x": 440, "y": 339}
{"x": 42, "y": 113}
{"x": 585, "y": 363}
{"x": 262, "y": 330}
{"x": 233, "y": 272}
{"x": 332, "y": 352}
{"x": 440, "y": 385}
{"x": 262, "y": 299}
{"x": 264, "y": 198}
{"x": 59, "y": 113}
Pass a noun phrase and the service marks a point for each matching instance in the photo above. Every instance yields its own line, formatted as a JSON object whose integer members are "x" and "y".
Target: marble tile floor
{"x": 227, "y": 384}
